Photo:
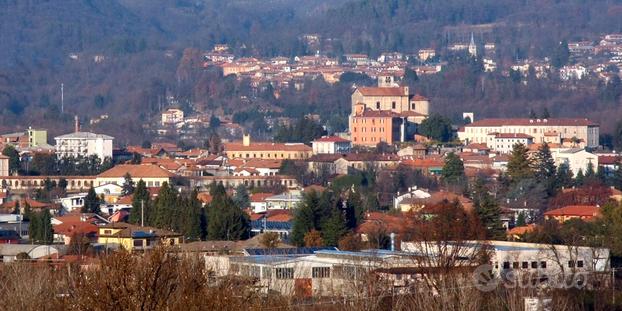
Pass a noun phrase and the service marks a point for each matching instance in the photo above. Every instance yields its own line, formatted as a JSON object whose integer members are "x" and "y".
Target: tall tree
{"x": 334, "y": 229}
{"x": 91, "y": 202}
{"x": 225, "y": 220}
{"x": 564, "y": 177}
{"x": 128, "y": 184}
{"x": 305, "y": 218}
{"x": 165, "y": 206}
{"x": 436, "y": 127}
{"x": 140, "y": 204}
{"x": 488, "y": 211}
{"x": 453, "y": 170}
{"x": 519, "y": 166}
{"x": 544, "y": 168}
{"x": 241, "y": 197}
{"x": 561, "y": 55}
{"x": 14, "y": 159}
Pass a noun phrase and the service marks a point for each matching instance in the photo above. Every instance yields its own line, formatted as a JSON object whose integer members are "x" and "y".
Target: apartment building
{"x": 578, "y": 129}
{"x": 84, "y": 144}
{"x": 172, "y": 116}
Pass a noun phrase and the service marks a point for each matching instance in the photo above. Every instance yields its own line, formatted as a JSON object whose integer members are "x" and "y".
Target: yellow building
{"x": 136, "y": 238}
{"x": 37, "y": 137}
{"x": 266, "y": 150}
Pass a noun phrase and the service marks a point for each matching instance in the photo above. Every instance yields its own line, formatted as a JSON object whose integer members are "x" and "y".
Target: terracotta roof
{"x": 382, "y": 91}
{"x": 531, "y": 122}
{"x": 513, "y": 135}
{"x": 260, "y": 197}
{"x": 477, "y": 146}
{"x": 137, "y": 171}
{"x": 608, "y": 160}
{"x": 281, "y": 218}
{"x": 71, "y": 228}
{"x": 419, "y": 97}
{"x": 263, "y": 163}
{"x": 575, "y": 210}
{"x": 267, "y": 147}
{"x": 205, "y": 197}
{"x": 520, "y": 230}
{"x": 417, "y": 163}
{"x": 335, "y": 139}
{"x": 31, "y": 202}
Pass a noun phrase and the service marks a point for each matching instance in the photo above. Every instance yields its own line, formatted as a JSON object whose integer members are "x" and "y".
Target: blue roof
{"x": 142, "y": 234}
{"x": 271, "y": 225}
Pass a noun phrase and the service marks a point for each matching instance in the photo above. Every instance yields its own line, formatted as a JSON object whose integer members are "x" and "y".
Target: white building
{"x": 504, "y": 142}
{"x": 84, "y": 144}
{"x": 547, "y": 262}
{"x": 331, "y": 144}
{"x": 72, "y": 202}
{"x": 4, "y": 165}
{"x": 575, "y": 72}
{"x": 172, "y": 116}
{"x": 576, "y": 159}
{"x": 480, "y": 130}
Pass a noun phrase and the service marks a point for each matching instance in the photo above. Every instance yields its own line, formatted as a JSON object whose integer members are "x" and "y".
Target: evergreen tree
{"x": 545, "y": 113}
{"x": 140, "y": 204}
{"x": 191, "y": 221}
{"x": 580, "y": 178}
{"x": 544, "y": 168}
{"x": 561, "y": 56}
{"x": 532, "y": 114}
{"x": 601, "y": 176}
{"x": 519, "y": 166}
{"x": 163, "y": 215}
{"x": 128, "y": 184}
{"x": 47, "y": 232}
{"x": 27, "y": 212}
{"x": 564, "y": 177}
{"x": 520, "y": 221}
{"x": 62, "y": 183}
{"x": 241, "y": 197}
{"x": 305, "y": 218}
{"x": 453, "y": 170}
{"x": 14, "y": 159}
{"x": 16, "y": 209}
{"x": 354, "y": 210}
{"x": 334, "y": 229}
{"x": 226, "y": 221}
{"x": 91, "y": 202}
{"x": 590, "y": 173}
{"x": 488, "y": 211}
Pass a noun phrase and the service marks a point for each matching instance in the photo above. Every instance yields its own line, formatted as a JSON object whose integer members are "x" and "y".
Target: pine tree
{"x": 520, "y": 220}
{"x": 305, "y": 218}
{"x": 488, "y": 211}
{"x": 545, "y": 113}
{"x": 590, "y": 173}
{"x": 241, "y": 197}
{"x": 544, "y": 168}
{"x": 580, "y": 178}
{"x": 16, "y": 209}
{"x": 91, "y": 202}
{"x": 128, "y": 184}
{"x": 519, "y": 166}
{"x": 354, "y": 210}
{"x": 14, "y": 159}
{"x": 564, "y": 177}
{"x": 191, "y": 225}
{"x": 163, "y": 215}
{"x": 532, "y": 114}
{"x": 140, "y": 204}
{"x": 334, "y": 229}
{"x": 453, "y": 170}
{"x": 47, "y": 232}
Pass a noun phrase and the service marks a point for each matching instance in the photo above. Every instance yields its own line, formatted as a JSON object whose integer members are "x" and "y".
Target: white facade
{"x": 331, "y": 145}
{"x": 84, "y": 144}
{"x": 505, "y": 143}
{"x": 576, "y": 159}
{"x": 4, "y": 165}
{"x": 481, "y": 131}
{"x": 172, "y": 116}
{"x": 72, "y": 202}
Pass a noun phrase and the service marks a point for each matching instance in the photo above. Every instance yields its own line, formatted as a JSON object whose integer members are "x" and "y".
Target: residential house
{"x": 172, "y": 116}
{"x": 152, "y": 175}
{"x": 583, "y": 212}
{"x": 135, "y": 238}
{"x": 84, "y": 144}
{"x": 504, "y": 142}
{"x": 577, "y": 159}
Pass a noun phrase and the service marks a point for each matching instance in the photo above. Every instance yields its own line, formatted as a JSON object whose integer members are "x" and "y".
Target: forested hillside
{"x": 142, "y": 43}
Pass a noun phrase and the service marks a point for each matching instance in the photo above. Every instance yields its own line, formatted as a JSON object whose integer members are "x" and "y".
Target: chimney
{"x": 406, "y": 92}
{"x": 246, "y": 140}
{"x": 76, "y": 124}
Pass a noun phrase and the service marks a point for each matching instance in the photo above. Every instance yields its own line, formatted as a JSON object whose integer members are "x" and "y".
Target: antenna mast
{"x": 62, "y": 98}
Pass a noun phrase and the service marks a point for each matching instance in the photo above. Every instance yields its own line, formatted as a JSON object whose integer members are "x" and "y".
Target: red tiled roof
{"x": 266, "y": 147}
{"x": 260, "y": 197}
{"x": 263, "y": 163}
{"x": 522, "y": 229}
{"x": 575, "y": 210}
{"x": 31, "y": 202}
{"x": 418, "y": 97}
{"x": 382, "y": 91}
{"x": 513, "y": 135}
{"x": 137, "y": 171}
{"x": 71, "y": 228}
{"x": 335, "y": 139}
{"x": 608, "y": 160}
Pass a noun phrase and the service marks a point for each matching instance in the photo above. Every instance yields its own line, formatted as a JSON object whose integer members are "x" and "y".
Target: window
{"x": 506, "y": 265}
{"x": 107, "y": 231}
{"x": 543, "y": 264}
{"x": 412, "y": 106}
{"x": 393, "y": 105}
{"x": 267, "y": 272}
{"x": 525, "y": 265}
{"x": 534, "y": 265}
{"x": 284, "y": 273}
{"x": 377, "y": 105}
{"x": 515, "y": 265}
{"x": 580, "y": 264}
{"x": 570, "y": 264}
{"x": 138, "y": 243}
{"x": 320, "y": 272}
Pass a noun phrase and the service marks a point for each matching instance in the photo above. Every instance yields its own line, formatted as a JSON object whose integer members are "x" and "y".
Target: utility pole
{"x": 62, "y": 98}
{"x": 142, "y": 213}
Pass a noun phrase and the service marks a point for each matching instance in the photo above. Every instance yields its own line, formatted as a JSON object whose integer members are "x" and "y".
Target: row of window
{"x": 372, "y": 129}
{"x": 36, "y": 183}
{"x": 394, "y": 105}
{"x": 279, "y": 273}
{"x": 364, "y": 120}
{"x": 534, "y": 264}
{"x": 269, "y": 155}
{"x": 371, "y": 139}
{"x": 486, "y": 130}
